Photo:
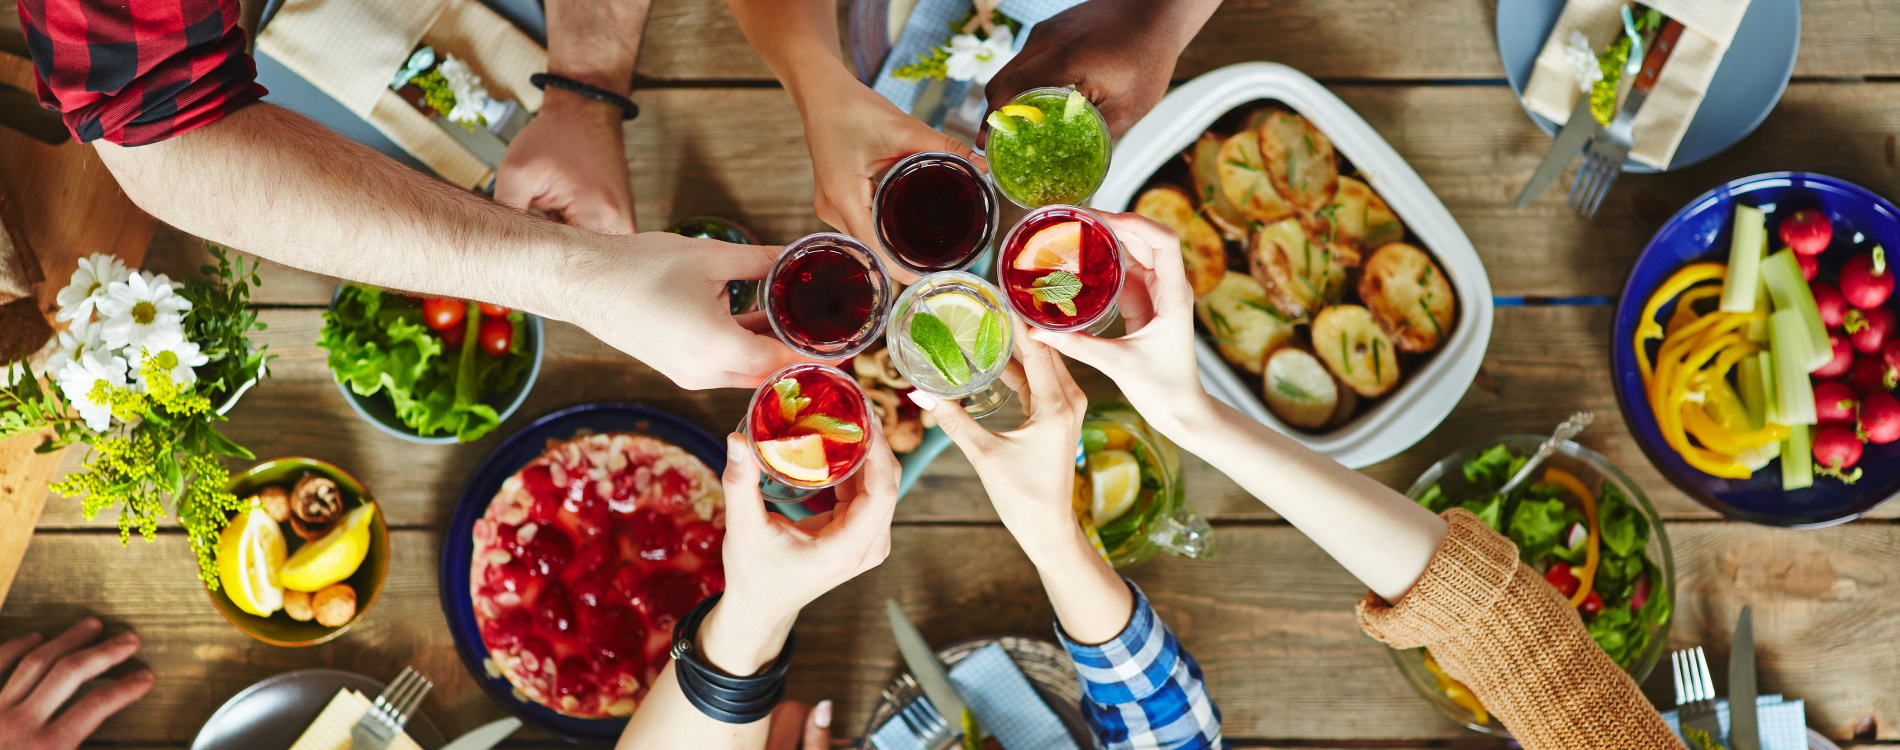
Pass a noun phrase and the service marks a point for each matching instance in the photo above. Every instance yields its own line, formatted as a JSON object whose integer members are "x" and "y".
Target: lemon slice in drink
{"x": 250, "y": 551}
{"x": 800, "y": 459}
{"x": 1115, "y": 478}
{"x": 1032, "y": 114}
{"x": 1054, "y": 248}
{"x": 332, "y": 558}
{"x": 962, "y": 314}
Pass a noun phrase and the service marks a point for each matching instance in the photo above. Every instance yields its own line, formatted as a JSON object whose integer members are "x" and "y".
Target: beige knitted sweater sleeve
{"x": 1492, "y": 623}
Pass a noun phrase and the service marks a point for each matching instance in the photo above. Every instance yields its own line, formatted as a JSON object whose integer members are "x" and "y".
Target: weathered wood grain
{"x": 1270, "y": 620}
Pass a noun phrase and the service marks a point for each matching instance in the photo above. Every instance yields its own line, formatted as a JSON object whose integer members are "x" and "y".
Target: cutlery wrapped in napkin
{"x": 1005, "y": 704}
{"x": 1783, "y": 722}
{"x": 331, "y": 730}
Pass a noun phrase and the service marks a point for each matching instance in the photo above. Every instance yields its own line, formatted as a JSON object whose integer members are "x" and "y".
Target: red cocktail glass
{"x": 935, "y": 211}
{"x": 809, "y": 426}
{"x": 1061, "y": 267}
{"x": 826, "y": 296}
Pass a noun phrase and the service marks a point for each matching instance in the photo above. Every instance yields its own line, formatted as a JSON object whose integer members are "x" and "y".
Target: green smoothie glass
{"x": 1048, "y": 146}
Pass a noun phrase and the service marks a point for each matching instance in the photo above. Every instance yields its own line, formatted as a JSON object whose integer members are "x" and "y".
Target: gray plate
{"x": 272, "y": 714}
{"x": 1745, "y": 88}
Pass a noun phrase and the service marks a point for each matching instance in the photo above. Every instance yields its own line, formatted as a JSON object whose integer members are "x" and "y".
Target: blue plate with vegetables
{"x": 1755, "y": 355}
{"x": 1584, "y": 526}
{"x": 430, "y": 370}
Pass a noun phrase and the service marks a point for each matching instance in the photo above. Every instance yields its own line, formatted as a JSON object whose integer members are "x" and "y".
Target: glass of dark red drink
{"x": 935, "y": 211}
{"x": 809, "y": 426}
{"x": 826, "y": 296}
{"x": 1061, "y": 267}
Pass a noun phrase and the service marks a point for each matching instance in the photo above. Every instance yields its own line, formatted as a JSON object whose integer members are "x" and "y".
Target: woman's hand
{"x": 46, "y": 674}
{"x": 776, "y": 566}
{"x": 796, "y": 726}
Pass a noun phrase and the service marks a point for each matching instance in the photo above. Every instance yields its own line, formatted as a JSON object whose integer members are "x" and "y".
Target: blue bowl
{"x": 1701, "y": 232}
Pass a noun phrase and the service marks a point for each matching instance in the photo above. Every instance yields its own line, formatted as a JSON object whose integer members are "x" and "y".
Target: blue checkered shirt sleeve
{"x": 1141, "y": 690}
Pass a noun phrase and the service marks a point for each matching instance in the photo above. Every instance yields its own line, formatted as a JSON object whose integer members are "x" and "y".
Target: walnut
{"x": 335, "y": 605}
{"x": 315, "y": 505}
{"x": 275, "y": 501}
{"x": 297, "y": 605}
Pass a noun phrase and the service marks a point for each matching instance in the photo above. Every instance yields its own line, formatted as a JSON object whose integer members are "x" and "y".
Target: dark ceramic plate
{"x": 273, "y": 713}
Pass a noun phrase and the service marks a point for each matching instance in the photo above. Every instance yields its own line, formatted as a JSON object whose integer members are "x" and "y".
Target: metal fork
{"x": 1695, "y": 698}
{"x": 1610, "y": 149}
{"x": 932, "y": 730}
{"x": 391, "y": 711}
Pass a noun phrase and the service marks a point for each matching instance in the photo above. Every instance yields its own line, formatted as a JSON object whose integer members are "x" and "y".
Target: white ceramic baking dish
{"x": 1425, "y": 396}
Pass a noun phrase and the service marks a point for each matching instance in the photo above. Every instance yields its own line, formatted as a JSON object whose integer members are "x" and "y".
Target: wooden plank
{"x": 1270, "y": 620}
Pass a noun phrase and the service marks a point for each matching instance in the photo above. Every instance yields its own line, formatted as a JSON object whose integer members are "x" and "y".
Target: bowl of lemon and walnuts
{"x": 304, "y": 557}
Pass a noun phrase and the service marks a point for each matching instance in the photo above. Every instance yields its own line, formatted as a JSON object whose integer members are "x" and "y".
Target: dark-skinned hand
{"x": 1118, "y": 53}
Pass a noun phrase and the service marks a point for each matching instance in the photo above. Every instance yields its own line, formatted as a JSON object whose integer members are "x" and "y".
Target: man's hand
{"x": 796, "y": 726}
{"x": 47, "y": 673}
{"x": 570, "y": 162}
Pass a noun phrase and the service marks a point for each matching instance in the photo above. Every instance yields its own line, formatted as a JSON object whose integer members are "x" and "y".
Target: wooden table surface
{"x": 1270, "y": 618}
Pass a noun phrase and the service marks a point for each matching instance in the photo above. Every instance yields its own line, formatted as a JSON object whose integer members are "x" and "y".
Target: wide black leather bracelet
{"x": 628, "y": 110}
{"x": 725, "y": 697}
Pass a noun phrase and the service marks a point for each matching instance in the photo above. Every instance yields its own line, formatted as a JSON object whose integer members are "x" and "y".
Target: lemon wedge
{"x": 1055, "y": 248}
{"x": 962, "y": 314}
{"x": 1033, "y": 115}
{"x": 1115, "y": 478}
{"x": 800, "y": 459}
{"x": 250, "y": 551}
{"x": 334, "y": 557}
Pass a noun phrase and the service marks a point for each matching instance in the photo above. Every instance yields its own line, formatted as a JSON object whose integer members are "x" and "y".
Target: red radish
{"x": 1836, "y": 447}
{"x": 1828, "y": 298}
{"x": 1868, "y": 330}
{"x": 1560, "y": 576}
{"x": 1880, "y": 418}
{"x": 1890, "y": 354}
{"x": 1866, "y": 281}
{"x": 1639, "y": 595}
{"x": 1807, "y": 231}
{"x": 1590, "y": 605}
{"x": 1843, "y": 356}
{"x": 1810, "y": 266}
{"x": 1870, "y": 375}
{"x": 1835, "y": 402}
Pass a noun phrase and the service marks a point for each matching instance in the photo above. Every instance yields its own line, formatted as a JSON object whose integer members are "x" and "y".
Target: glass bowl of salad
{"x": 1128, "y": 490}
{"x": 1581, "y": 523}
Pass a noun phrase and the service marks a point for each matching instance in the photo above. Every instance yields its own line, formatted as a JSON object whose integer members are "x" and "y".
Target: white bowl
{"x": 1426, "y": 396}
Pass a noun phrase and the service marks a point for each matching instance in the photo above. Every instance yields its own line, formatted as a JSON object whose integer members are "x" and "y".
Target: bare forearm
{"x": 271, "y": 182}
{"x": 1090, "y": 600}
{"x": 737, "y": 642}
{"x": 798, "y": 40}
{"x": 596, "y": 42}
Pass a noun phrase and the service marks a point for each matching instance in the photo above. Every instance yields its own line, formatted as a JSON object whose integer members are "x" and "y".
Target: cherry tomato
{"x": 493, "y": 310}
{"x": 452, "y": 337}
{"x": 442, "y": 313}
{"x": 498, "y": 336}
{"x": 1560, "y": 576}
{"x": 1591, "y": 605}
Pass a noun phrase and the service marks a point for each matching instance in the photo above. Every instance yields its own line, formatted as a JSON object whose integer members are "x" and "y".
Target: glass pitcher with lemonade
{"x": 1129, "y": 494}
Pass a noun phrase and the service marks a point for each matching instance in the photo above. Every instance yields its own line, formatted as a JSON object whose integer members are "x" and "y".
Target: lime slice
{"x": 1115, "y": 477}
{"x": 250, "y": 551}
{"x": 838, "y": 430}
{"x": 334, "y": 557}
{"x": 1033, "y": 115}
{"x": 962, "y": 314}
{"x": 998, "y": 121}
{"x": 800, "y": 459}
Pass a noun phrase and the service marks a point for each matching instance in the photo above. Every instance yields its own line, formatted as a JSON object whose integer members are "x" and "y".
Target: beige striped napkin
{"x": 350, "y": 49}
{"x": 1708, "y": 27}
{"x": 331, "y": 730}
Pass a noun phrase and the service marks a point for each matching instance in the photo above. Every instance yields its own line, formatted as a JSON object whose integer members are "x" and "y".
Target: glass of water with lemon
{"x": 1128, "y": 490}
{"x": 950, "y": 335}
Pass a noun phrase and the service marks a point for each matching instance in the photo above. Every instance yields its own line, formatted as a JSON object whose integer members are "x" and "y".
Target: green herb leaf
{"x": 931, "y": 335}
{"x": 989, "y": 340}
{"x": 1290, "y": 390}
{"x": 1345, "y": 357}
{"x": 833, "y": 428}
{"x": 790, "y": 403}
{"x": 1058, "y": 288}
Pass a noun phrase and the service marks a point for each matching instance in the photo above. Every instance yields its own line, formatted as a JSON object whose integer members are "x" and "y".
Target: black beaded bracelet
{"x": 628, "y": 110}
{"x": 727, "y": 698}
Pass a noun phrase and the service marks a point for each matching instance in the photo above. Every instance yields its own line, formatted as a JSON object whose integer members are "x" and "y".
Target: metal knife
{"x": 925, "y": 668}
{"x": 1565, "y": 149}
{"x": 485, "y": 736}
{"x": 1744, "y": 733}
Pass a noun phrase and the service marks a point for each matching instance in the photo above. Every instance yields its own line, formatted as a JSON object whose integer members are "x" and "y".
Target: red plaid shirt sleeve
{"x": 138, "y": 71}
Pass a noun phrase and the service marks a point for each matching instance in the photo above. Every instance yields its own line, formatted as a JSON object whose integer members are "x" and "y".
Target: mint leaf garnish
{"x": 789, "y": 402}
{"x": 931, "y": 335}
{"x": 1059, "y": 289}
{"x": 989, "y": 341}
{"x": 832, "y": 428}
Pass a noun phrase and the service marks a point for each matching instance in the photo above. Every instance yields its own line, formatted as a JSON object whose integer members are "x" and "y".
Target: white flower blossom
{"x": 78, "y": 340}
{"x": 88, "y": 286}
{"x": 979, "y": 60}
{"x": 78, "y": 380}
{"x": 142, "y": 311}
{"x": 473, "y": 106}
{"x": 1582, "y": 62}
{"x": 188, "y": 355}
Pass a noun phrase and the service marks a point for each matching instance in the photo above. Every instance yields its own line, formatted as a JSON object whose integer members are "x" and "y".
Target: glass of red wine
{"x": 935, "y": 211}
{"x": 827, "y": 296}
{"x": 1061, "y": 268}
{"x": 809, "y": 426}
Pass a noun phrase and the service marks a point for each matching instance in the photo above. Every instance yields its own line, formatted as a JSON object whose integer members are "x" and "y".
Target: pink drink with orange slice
{"x": 809, "y": 426}
{"x": 1061, "y": 268}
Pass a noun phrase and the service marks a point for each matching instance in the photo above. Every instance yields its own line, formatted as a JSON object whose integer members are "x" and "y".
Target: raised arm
{"x": 1118, "y": 53}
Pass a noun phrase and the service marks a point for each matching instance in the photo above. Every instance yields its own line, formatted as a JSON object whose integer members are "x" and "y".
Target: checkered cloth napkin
{"x": 1783, "y": 722}
{"x": 929, "y": 26}
{"x": 331, "y": 730}
{"x": 1708, "y": 27}
{"x": 1004, "y": 703}
{"x": 349, "y": 49}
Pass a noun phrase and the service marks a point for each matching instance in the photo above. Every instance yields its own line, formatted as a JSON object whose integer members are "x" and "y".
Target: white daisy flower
{"x": 1581, "y": 59}
{"x": 88, "y": 287}
{"x": 188, "y": 356}
{"x": 78, "y": 380}
{"x": 473, "y": 105}
{"x": 78, "y": 340}
{"x": 979, "y": 60}
{"x": 143, "y": 311}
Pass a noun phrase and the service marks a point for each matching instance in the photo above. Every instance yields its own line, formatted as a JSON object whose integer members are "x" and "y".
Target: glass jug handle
{"x": 1186, "y": 534}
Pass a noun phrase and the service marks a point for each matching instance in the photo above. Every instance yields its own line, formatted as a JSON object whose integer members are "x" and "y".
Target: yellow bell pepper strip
{"x": 1685, "y": 306}
{"x": 1586, "y": 576}
{"x": 1684, "y": 277}
{"x": 1675, "y": 397}
{"x": 1457, "y": 691}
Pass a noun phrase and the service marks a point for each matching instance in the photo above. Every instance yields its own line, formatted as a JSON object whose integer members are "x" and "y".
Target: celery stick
{"x": 1756, "y": 331}
{"x": 1797, "y": 462}
{"x": 1771, "y": 398}
{"x": 1794, "y": 393}
{"x": 1749, "y": 242}
{"x": 1791, "y": 294}
{"x": 1754, "y": 393}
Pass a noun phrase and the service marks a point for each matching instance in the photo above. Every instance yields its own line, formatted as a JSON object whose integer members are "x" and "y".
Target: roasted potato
{"x": 1202, "y": 252}
{"x": 1410, "y": 297}
{"x": 1241, "y": 322}
{"x": 1348, "y": 407}
{"x": 1243, "y": 178}
{"x": 1299, "y": 389}
{"x": 1299, "y": 160}
{"x": 1356, "y": 216}
{"x": 1301, "y": 274}
{"x": 1356, "y": 349}
{"x": 1204, "y": 165}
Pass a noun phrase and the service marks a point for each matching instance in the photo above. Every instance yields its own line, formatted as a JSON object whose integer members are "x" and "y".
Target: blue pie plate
{"x": 1701, "y": 232}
